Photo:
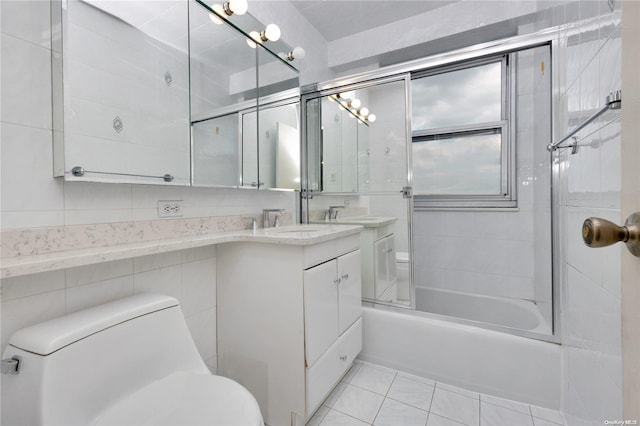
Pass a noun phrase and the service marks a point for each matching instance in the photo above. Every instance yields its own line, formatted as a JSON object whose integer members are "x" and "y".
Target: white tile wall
{"x": 504, "y": 254}
{"x": 589, "y": 185}
{"x": 187, "y": 275}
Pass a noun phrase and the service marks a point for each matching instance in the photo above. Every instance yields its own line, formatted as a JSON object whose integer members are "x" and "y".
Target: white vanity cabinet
{"x": 289, "y": 321}
{"x": 331, "y": 302}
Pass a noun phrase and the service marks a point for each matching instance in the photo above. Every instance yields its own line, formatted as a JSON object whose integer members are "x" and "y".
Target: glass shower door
{"x": 357, "y": 139}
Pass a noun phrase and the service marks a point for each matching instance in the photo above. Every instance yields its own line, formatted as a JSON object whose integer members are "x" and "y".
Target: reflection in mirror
{"x": 361, "y": 148}
{"x": 278, "y": 134}
{"x": 249, "y": 143}
{"x": 228, "y": 149}
{"x": 223, "y": 66}
{"x": 340, "y": 150}
{"x": 357, "y": 167}
{"x": 124, "y": 99}
{"x": 279, "y": 147}
{"x": 216, "y": 152}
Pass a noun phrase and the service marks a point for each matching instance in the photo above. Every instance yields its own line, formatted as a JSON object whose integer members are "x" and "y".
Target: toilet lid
{"x": 185, "y": 399}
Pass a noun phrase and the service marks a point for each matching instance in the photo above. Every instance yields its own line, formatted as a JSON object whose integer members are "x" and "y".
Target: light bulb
{"x": 271, "y": 33}
{"x": 371, "y": 118}
{"x": 220, "y": 11}
{"x": 255, "y": 38}
{"x": 238, "y": 7}
{"x": 347, "y": 95}
{"x": 297, "y": 53}
{"x": 364, "y": 111}
{"x": 355, "y": 103}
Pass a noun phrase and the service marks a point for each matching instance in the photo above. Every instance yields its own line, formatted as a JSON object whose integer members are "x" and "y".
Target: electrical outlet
{"x": 170, "y": 208}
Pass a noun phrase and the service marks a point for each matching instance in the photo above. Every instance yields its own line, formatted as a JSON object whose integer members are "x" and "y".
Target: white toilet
{"x": 128, "y": 362}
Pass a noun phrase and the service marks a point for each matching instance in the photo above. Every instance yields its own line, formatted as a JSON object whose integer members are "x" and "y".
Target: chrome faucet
{"x": 266, "y": 214}
{"x": 333, "y": 211}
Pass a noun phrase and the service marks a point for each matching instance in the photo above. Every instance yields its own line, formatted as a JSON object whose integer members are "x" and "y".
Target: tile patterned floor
{"x": 373, "y": 395}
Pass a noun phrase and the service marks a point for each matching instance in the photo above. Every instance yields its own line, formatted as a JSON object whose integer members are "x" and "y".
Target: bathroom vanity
{"x": 288, "y": 303}
{"x": 289, "y": 317}
{"x": 377, "y": 245}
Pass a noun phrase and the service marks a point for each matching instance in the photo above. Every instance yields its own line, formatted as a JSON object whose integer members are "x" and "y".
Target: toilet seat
{"x": 185, "y": 399}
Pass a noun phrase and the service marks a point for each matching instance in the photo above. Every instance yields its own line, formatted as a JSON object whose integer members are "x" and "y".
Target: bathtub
{"x": 475, "y": 358}
{"x": 500, "y": 311}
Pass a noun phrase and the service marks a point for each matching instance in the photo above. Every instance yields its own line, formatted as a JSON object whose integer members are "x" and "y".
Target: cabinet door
{"x": 392, "y": 275}
{"x": 385, "y": 267}
{"x": 320, "y": 309}
{"x": 381, "y": 280}
{"x": 349, "y": 289}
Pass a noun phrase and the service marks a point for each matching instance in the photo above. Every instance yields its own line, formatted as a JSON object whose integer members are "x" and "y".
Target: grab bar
{"x": 614, "y": 101}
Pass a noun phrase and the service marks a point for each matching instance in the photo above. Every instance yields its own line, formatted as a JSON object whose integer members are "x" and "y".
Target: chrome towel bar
{"x": 80, "y": 171}
{"x": 614, "y": 101}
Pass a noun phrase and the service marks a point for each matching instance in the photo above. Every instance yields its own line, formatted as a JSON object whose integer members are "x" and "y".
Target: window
{"x": 461, "y": 146}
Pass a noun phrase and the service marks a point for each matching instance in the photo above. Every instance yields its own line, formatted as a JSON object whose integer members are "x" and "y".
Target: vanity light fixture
{"x": 297, "y": 53}
{"x": 347, "y": 101}
{"x": 270, "y": 33}
{"x": 239, "y": 7}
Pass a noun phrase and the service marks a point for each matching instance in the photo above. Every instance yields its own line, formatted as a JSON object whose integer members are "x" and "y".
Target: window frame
{"x": 507, "y": 198}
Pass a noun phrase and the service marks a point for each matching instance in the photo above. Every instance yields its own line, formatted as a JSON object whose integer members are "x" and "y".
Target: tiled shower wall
{"x": 32, "y": 198}
{"x": 500, "y": 253}
{"x": 589, "y": 185}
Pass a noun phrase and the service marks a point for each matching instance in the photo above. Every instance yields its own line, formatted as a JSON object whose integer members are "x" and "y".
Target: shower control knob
{"x": 597, "y": 232}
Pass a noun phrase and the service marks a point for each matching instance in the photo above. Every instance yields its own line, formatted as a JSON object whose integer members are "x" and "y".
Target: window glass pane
{"x": 459, "y": 164}
{"x": 467, "y": 96}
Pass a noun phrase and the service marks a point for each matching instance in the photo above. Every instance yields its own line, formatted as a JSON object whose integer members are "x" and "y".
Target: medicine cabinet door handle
{"x": 345, "y": 277}
{"x": 337, "y": 281}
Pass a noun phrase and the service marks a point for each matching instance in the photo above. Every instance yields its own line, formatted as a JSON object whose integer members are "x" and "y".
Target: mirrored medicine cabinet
{"x": 171, "y": 93}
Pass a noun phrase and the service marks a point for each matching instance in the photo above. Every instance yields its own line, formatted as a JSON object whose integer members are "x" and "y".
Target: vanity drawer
{"x": 318, "y": 253}
{"x": 384, "y": 231}
{"x": 325, "y": 373}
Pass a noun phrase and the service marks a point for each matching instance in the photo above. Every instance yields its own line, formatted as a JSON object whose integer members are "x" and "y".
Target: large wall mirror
{"x": 172, "y": 93}
{"x": 121, "y": 91}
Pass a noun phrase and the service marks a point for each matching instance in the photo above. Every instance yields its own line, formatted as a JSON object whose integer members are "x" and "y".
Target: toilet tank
{"x": 73, "y": 367}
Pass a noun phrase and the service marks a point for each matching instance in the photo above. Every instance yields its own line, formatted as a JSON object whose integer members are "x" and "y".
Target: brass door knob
{"x": 597, "y": 232}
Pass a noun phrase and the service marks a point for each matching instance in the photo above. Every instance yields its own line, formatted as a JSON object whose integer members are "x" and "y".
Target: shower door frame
{"x": 547, "y": 37}
{"x": 311, "y": 94}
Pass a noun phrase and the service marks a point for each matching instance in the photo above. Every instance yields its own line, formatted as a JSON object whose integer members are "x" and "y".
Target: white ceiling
{"x": 335, "y": 19}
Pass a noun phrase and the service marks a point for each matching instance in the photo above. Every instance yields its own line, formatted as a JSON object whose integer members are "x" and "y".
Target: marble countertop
{"x": 366, "y": 221}
{"x": 301, "y": 235}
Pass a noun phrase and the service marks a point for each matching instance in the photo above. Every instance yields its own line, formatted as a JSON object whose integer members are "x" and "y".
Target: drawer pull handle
{"x": 343, "y": 358}
{"x": 345, "y": 277}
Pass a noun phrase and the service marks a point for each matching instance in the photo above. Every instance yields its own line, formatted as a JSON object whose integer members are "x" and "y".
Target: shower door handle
{"x": 597, "y": 232}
